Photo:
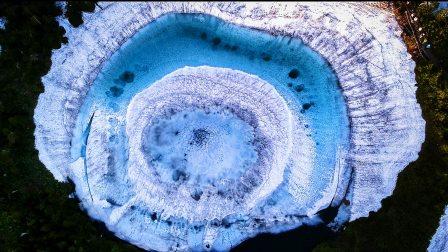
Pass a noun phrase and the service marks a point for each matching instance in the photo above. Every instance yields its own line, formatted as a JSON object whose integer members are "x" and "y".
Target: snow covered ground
{"x": 363, "y": 126}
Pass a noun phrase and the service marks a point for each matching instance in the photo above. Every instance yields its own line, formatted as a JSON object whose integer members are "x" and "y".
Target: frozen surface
{"x": 439, "y": 241}
{"x": 276, "y": 132}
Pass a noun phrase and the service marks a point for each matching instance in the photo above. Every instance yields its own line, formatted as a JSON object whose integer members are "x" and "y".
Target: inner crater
{"x": 200, "y": 147}
{"x": 204, "y": 137}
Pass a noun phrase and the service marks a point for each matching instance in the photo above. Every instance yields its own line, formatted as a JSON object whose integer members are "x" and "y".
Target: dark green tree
{"x": 35, "y": 210}
{"x": 75, "y": 9}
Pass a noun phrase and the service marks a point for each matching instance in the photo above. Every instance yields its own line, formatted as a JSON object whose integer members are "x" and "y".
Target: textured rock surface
{"x": 439, "y": 241}
{"x": 362, "y": 44}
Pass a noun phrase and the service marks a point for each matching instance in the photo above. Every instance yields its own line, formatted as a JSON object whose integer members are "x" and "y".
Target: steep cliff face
{"x": 362, "y": 45}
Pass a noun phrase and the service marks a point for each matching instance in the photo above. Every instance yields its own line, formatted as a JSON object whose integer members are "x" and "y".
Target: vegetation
{"x": 75, "y": 9}
{"x": 409, "y": 218}
{"x": 36, "y": 212}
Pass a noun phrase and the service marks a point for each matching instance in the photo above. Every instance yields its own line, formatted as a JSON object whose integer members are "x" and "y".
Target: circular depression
{"x": 283, "y": 98}
{"x": 208, "y": 138}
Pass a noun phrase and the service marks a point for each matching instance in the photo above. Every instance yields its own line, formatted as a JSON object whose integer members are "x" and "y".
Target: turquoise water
{"x": 301, "y": 76}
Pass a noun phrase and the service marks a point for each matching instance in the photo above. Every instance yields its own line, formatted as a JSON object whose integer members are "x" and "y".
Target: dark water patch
{"x": 196, "y": 195}
{"x": 153, "y": 216}
{"x": 216, "y": 41}
{"x": 266, "y": 57}
{"x": 179, "y": 176}
{"x": 226, "y": 223}
{"x": 299, "y": 88}
{"x": 127, "y": 76}
{"x": 116, "y": 91}
{"x": 215, "y": 223}
{"x": 200, "y": 136}
{"x": 294, "y": 73}
{"x": 307, "y": 105}
{"x": 113, "y": 202}
{"x": 203, "y": 36}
